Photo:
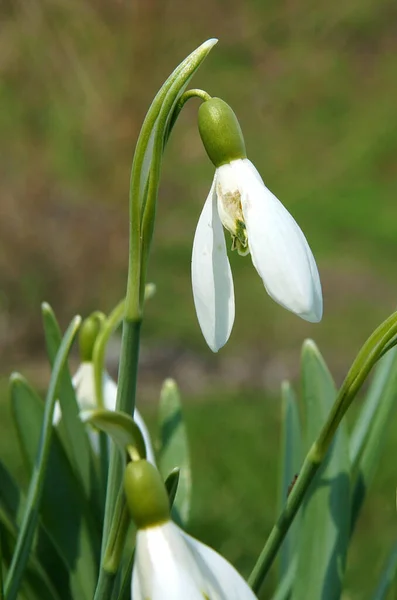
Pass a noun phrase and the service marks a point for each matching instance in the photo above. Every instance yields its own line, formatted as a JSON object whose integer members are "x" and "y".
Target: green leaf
{"x": 64, "y": 510}
{"x": 54, "y": 492}
{"x": 174, "y": 452}
{"x": 283, "y": 590}
{"x": 385, "y": 375}
{"x": 72, "y": 431}
{"x": 324, "y": 534}
{"x": 291, "y": 460}
{"x": 369, "y": 434}
{"x": 388, "y": 576}
{"x": 12, "y": 508}
{"x": 35, "y": 583}
{"x": 119, "y": 426}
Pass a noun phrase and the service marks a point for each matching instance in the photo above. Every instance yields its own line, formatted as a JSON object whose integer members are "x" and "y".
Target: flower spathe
{"x": 260, "y": 225}
{"x": 83, "y": 383}
{"x": 171, "y": 565}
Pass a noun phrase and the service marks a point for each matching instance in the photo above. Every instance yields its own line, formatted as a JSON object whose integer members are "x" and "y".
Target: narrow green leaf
{"x": 73, "y": 434}
{"x": 325, "y": 527}
{"x": 174, "y": 452}
{"x": 370, "y": 431}
{"x": 119, "y": 426}
{"x": 36, "y": 578}
{"x": 64, "y": 510}
{"x": 42, "y": 442}
{"x": 388, "y": 576}
{"x": 283, "y": 590}
{"x": 291, "y": 460}
{"x": 12, "y": 508}
{"x": 385, "y": 375}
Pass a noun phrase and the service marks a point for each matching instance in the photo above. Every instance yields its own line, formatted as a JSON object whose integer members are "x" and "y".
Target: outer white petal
{"x": 212, "y": 280}
{"x": 224, "y": 582}
{"x": 164, "y": 569}
{"x": 83, "y": 383}
{"x": 279, "y": 250}
{"x": 170, "y": 565}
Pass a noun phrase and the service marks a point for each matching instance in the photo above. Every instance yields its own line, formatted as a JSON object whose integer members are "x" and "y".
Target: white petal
{"x": 164, "y": 569}
{"x": 212, "y": 280}
{"x": 146, "y": 437}
{"x": 171, "y": 565}
{"x": 229, "y": 583}
{"x": 279, "y": 250}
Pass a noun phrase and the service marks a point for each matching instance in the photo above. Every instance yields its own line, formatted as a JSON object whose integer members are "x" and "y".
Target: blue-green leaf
{"x": 48, "y": 492}
{"x": 72, "y": 431}
{"x": 369, "y": 434}
{"x": 174, "y": 452}
{"x": 12, "y": 508}
{"x": 64, "y": 510}
{"x": 291, "y": 460}
{"x": 388, "y": 576}
{"x": 325, "y": 526}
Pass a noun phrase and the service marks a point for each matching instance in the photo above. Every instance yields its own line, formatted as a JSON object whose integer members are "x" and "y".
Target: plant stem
{"x": 126, "y": 391}
{"x": 309, "y": 469}
{"x": 105, "y": 585}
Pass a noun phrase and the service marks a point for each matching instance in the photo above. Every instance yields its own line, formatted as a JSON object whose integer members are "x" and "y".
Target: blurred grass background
{"x": 314, "y": 86}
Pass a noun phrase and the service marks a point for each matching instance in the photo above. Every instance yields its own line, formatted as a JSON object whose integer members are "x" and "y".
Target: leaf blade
{"x": 174, "y": 452}
{"x": 325, "y": 520}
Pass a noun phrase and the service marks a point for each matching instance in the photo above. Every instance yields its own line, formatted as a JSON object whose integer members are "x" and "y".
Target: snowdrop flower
{"x": 169, "y": 564}
{"x": 84, "y": 385}
{"x": 258, "y": 223}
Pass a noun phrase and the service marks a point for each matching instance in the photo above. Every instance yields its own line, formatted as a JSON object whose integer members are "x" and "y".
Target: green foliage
{"x": 324, "y": 535}
{"x": 174, "y": 449}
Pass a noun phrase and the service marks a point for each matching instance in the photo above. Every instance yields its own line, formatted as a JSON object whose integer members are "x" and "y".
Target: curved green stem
{"x": 145, "y": 168}
{"x": 309, "y": 469}
{"x": 98, "y": 356}
{"x": 140, "y": 172}
{"x": 194, "y": 93}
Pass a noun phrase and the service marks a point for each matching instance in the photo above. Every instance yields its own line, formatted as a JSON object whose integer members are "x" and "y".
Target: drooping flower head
{"x": 258, "y": 224}
{"x": 169, "y": 564}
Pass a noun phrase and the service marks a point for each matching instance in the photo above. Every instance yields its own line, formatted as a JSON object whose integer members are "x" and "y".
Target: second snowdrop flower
{"x": 258, "y": 223}
{"x": 169, "y": 564}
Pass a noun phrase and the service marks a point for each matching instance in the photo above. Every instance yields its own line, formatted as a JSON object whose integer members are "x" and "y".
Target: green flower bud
{"x": 221, "y": 132}
{"x": 88, "y": 335}
{"x": 147, "y": 497}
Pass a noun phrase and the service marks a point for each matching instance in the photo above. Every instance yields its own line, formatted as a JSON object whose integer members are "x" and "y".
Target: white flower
{"x": 260, "y": 225}
{"x": 171, "y": 565}
{"x": 83, "y": 383}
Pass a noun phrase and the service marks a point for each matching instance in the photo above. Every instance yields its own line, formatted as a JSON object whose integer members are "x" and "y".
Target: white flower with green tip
{"x": 259, "y": 224}
{"x": 169, "y": 564}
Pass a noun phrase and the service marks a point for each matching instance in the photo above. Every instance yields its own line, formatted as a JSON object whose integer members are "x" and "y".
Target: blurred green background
{"x": 314, "y": 86}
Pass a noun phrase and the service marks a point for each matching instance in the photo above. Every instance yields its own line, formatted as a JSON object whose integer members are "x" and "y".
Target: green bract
{"x": 147, "y": 497}
{"x": 221, "y": 132}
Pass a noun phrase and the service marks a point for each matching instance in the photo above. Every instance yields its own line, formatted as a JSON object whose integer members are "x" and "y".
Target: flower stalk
{"x": 144, "y": 183}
